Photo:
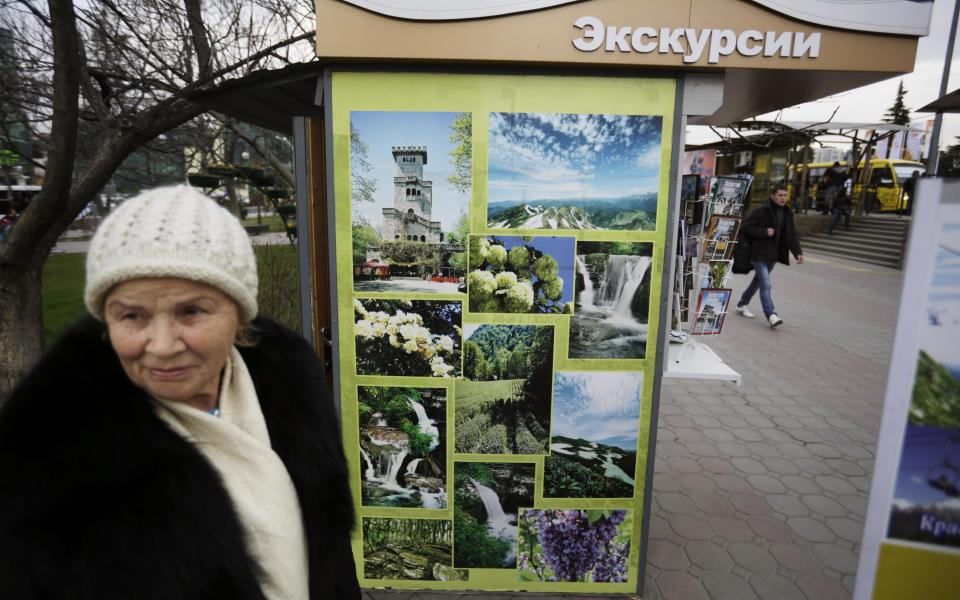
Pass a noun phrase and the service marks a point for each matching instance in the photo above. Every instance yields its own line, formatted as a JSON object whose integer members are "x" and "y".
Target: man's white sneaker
{"x": 774, "y": 320}
{"x": 743, "y": 311}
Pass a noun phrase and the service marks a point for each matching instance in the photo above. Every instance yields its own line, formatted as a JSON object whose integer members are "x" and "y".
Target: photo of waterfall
{"x": 487, "y": 498}
{"x": 403, "y": 446}
{"x": 593, "y": 444}
{"x": 612, "y": 300}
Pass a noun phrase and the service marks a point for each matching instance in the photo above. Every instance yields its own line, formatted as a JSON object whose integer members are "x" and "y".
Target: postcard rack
{"x": 697, "y": 256}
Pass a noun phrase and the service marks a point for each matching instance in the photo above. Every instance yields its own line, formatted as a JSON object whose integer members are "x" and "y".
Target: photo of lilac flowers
{"x": 574, "y": 545}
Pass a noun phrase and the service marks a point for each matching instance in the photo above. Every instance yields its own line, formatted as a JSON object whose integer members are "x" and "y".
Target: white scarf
{"x": 238, "y": 445}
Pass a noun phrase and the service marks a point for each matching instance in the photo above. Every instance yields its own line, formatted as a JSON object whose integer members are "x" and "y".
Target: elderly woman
{"x": 173, "y": 446}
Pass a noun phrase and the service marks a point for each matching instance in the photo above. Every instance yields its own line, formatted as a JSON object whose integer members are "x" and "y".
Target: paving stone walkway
{"x": 760, "y": 491}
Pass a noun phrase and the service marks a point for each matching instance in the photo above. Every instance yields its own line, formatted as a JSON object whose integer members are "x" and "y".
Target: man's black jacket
{"x": 776, "y": 248}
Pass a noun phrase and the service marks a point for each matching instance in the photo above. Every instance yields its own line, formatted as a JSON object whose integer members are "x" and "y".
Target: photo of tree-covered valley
{"x": 503, "y": 406}
{"x": 573, "y": 171}
{"x": 593, "y": 447}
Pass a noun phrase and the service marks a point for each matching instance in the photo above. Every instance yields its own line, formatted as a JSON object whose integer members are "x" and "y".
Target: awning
{"x": 268, "y": 98}
{"x": 945, "y": 104}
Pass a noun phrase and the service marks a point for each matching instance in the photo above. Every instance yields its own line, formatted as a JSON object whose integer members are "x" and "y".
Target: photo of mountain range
{"x": 637, "y": 212}
{"x": 573, "y": 171}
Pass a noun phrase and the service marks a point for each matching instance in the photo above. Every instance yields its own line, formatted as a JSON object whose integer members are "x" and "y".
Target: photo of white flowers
{"x": 415, "y": 338}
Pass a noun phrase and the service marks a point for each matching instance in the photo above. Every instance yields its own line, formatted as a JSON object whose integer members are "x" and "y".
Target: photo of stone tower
{"x": 408, "y": 215}
{"x": 409, "y": 218}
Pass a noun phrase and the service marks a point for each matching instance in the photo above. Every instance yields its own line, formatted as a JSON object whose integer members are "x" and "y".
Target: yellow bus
{"x": 884, "y": 190}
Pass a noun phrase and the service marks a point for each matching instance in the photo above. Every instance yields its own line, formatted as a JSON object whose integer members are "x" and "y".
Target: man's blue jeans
{"x": 761, "y": 281}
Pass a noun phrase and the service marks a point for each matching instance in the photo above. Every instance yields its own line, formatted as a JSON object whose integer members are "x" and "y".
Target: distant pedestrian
{"x": 831, "y": 182}
{"x": 7, "y": 222}
{"x": 909, "y": 188}
{"x": 773, "y": 236}
{"x": 841, "y": 206}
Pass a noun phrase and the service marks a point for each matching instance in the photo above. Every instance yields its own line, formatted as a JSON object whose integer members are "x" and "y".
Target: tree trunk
{"x": 233, "y": 197}
{"x": 21, "y": 330}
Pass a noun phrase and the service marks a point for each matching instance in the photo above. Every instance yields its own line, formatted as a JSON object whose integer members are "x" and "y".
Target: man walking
{"x": 841, "y": 206}
{"x": 773, "y": 236}
{"x": 831, "y": 182}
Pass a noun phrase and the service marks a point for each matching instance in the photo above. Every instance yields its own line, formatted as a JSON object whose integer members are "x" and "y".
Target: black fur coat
{"x": 99, "y": 499}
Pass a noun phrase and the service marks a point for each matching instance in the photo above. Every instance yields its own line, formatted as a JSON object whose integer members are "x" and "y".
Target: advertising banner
{"x": 700, "y": 162}
{"x": 911, "y": 546}
{"x": 499, "y": 255}
{"x": 888, "y": 16}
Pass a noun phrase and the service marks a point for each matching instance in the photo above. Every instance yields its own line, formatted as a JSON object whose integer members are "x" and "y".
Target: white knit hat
{"x": 172, "y": 232}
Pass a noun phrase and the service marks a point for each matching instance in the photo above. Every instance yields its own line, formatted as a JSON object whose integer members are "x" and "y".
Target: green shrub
{"x": 62, "y": 294}
{"x": 279, "y": 290}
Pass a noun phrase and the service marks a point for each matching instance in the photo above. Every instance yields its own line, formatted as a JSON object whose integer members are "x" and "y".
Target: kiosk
{"x": 513, "y": 165}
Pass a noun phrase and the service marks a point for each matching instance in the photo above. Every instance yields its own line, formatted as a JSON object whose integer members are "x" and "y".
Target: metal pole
{"x": 934, "y": 157}
{"x": 301, "y": 167}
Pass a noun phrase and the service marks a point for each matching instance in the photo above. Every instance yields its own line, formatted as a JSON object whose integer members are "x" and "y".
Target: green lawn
{"x": 63, "y": 277}
{"x": 274, "y": 221}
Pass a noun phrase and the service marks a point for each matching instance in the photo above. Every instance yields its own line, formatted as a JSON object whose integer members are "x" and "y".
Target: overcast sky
{"x": 536, "y": 156}
{"x": 598, "y": 406}
{"x": 869, "y": 103}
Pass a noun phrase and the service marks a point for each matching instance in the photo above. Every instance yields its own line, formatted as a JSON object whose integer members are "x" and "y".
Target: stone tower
{"x": 409, "y": 219}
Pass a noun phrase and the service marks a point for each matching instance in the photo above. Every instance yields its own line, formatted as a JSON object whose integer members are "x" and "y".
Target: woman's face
{"x": 173, "y": 337}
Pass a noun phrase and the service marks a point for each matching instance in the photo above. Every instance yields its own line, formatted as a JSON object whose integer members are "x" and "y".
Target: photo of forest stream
{"x": 403, "y": 446}
{"x": 417, "y": 549}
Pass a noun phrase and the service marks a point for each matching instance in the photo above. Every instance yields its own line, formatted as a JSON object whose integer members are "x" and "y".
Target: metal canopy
{"x": 817, "y": 126}
{"x": 944, "y": 104}
{"x": 782, "y": 134}
{"x": 268, "y": 98}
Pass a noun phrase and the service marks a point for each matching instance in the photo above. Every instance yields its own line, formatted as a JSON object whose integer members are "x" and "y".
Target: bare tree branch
{"x": 278, "y": 166}
{"x": 199, "y": 36}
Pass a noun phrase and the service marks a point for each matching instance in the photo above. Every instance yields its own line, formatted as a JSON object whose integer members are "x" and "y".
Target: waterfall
{"x": 412, "y": 467}
{"x": 394, "y": 462}
{"x": 368, "y": 472}
{"x": 426, "y": 424}
{"x": 586, "y": 295}
{"x": 636, "y": 269}
{"x": 499, "y": 522}
{"x": 621, "y": 278}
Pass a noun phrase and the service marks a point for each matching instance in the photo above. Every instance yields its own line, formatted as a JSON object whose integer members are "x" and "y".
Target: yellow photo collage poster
{"x": 499, "y": 248}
